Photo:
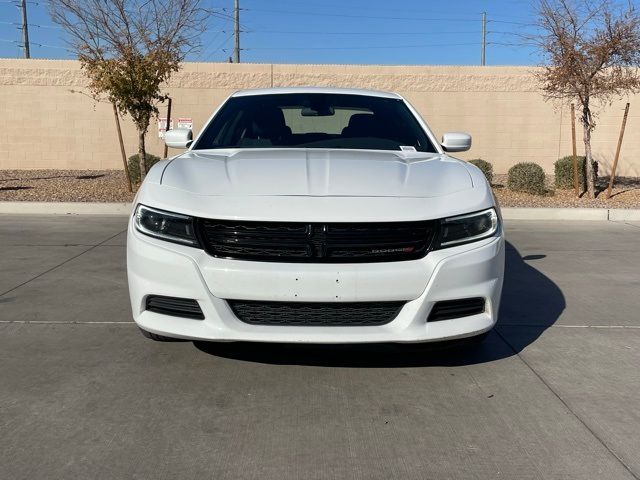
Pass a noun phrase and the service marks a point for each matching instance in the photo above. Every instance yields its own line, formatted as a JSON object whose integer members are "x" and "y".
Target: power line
{"x": 227, "y": 16}
{"x": 224, "y": 16}
{"x": 31, "y": 25}
{"x": 307, "y": 32}
{"x": 502, "y": 32}
{"x": 366, "y": 7}
{"x": 354, "y": 7}
{"x": 366, "y": 47}
{"x": 315, "y": 14}
{"x": 513, "y": 44}
{"x": 512, "y": 23}
{"x": 51, "y": 46}
{"x": 483, "y": 44}
{"x": 205, "y": 51}
{"x": 46, "y": 26}
{"x": 219, "y": 47}
{"x": 43, "y": 45}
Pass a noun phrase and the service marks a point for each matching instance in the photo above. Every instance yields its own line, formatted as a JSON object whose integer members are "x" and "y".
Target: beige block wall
{"x": 47, "y": 122}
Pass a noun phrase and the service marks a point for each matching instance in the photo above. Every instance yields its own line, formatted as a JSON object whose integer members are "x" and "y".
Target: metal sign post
{"x": 166, "y": 149}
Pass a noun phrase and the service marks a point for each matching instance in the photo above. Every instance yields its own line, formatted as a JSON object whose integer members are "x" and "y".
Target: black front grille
{"x": 176, "y": 307}
{"x": 456, "y": 308}
{"x": 316, "y": 242}
{"x": 315, "y": 314}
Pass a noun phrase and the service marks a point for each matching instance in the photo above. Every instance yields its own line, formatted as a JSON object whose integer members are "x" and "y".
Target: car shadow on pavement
{"x": 530, "y": 300}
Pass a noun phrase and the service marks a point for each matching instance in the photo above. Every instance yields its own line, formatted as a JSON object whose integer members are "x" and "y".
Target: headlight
{"x": 468, "y": 228}
{"x": 168, "y": 226}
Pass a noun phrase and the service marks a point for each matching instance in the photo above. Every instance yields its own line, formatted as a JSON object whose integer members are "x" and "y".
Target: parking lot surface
{"x": 552, "y": 394}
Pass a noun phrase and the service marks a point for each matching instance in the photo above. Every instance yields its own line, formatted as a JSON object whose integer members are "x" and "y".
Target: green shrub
{"x": 564, "y": 172}
{"x": 134, "y": 165}
{"x": 526, "y": 177}
{"x": 486, "y": 168}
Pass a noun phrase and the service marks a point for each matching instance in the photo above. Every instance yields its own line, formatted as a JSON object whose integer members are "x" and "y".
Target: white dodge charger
{"x": 317, "y": 215}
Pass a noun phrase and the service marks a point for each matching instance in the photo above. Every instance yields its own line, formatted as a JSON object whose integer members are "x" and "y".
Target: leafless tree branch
{"x": 592, "y": 53}
{"x": 130, "y": 48}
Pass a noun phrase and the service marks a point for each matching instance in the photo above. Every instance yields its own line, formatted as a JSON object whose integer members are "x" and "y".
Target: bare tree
{"x": 130, "y": 48}
{"x": 592, "y": 51}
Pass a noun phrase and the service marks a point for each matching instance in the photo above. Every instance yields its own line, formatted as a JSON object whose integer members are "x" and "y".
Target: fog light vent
{"x": 176, "y": 307}
{"x": 456, "y": 308}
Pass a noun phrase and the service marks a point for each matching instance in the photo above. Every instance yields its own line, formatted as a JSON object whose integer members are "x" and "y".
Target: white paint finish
{"x": 178, "y": 138}
{"x": 456, "y": 141}
{"x": 321, "y": 172}
{"x": 466, "y": 271}
{"x": 316, "y": 185}
{"x": 233, "y": 279}
{"x": 315, "y": 208}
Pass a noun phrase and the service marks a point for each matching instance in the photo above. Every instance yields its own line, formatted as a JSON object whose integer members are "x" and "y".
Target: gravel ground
{"x": 64, "y": 186}
{"x": 110, "y": 186}
{"x": 625, "y": 194}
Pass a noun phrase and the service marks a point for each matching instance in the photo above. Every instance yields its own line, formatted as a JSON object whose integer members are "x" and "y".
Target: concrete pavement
{"x": 551, "y": 394}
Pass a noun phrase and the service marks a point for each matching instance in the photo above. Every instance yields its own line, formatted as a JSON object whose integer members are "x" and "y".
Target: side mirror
{"x": 178, "y": 138}
{"x": 456, "y": 142}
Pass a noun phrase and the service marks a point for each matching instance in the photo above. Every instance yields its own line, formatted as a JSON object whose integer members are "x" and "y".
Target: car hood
{"x": 315, "y": 172}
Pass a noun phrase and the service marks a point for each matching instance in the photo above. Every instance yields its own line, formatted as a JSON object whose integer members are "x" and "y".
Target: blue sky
{"x": 332, "y": 31}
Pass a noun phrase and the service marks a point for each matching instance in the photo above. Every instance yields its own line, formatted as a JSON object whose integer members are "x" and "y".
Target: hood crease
{"x": 317, "y": 172}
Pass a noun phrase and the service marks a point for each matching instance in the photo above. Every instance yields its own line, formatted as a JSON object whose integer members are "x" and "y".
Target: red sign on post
{"x": 162, "y": 126}
{"x": 185, "y": 122}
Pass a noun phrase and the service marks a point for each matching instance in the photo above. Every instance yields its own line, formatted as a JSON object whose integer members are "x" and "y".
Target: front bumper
{"x": 156, "y": 267}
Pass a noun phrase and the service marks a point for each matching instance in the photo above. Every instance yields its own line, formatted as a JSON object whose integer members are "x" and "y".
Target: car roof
{"x": 343, "y": 91}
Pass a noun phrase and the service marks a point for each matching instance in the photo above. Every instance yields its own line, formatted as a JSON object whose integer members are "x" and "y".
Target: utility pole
{"x": 25, "y": 29}
{"x": 483, "y": 53}
{"x": 236, "y": 31}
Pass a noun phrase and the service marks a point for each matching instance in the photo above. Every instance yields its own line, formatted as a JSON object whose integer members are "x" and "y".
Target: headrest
{"x": 360, "y": 120}
{"x": 268, "y": 122}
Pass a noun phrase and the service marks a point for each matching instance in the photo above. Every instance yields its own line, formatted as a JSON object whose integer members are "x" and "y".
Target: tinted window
{"x": 314, "y": 120}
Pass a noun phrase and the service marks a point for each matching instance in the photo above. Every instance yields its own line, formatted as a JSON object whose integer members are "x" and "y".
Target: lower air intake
{"x": 456, "y": 308}
{"x": 314, "y": 314}
{"x": 176, "y": 307}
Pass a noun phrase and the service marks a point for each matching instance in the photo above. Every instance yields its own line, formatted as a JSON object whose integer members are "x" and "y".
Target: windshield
{"x": 315, "y": 120}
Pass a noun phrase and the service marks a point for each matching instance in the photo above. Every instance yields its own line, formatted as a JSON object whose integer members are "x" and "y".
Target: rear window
{"x": 314, "y": 120}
